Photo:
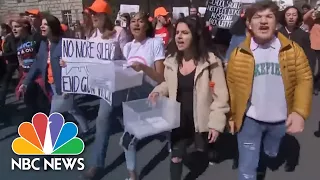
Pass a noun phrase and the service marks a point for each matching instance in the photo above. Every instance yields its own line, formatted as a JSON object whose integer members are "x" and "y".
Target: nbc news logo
{"x": 47, "y": 136}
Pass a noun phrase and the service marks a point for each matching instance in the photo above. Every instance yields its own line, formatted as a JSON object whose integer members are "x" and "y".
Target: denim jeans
{"x": 252, "y": 136}
{"x": 130, "y": 153}
{"x": 102, "y": 135}
{"x": 103, "y": 122}
{"x": 62, "y": 104}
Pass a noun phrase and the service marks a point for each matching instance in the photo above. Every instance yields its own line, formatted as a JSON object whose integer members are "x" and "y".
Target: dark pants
{"x": 2, "y": 67}
{"x": 179, "y": 150}
{"x": 36, "y": 101}
{"x": 317, "y": 76}
{"x": 6, "y": 80}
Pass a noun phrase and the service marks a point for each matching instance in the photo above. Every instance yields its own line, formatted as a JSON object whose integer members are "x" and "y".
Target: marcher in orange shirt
{"x": 160, "y": 18}
{"x": 312, "y": 19}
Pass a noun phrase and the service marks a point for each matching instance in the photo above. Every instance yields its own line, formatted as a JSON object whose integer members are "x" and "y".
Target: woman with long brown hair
{"x": 195, "y": 78}
{"x": 87, "y": 25}
{"x": 145, "y": 53}
{"x": 28, "y": 46}
{"x": 104, "y": 30}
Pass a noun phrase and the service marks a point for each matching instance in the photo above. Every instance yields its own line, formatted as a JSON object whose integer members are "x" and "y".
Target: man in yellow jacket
{"x": 270, "y": 86}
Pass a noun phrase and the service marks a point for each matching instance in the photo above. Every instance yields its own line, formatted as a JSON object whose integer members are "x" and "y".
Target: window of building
{"x": 21, "y": 1}
{"x": 66, "y": 16}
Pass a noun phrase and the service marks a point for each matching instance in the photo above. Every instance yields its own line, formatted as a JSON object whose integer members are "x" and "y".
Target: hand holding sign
{"x": 63, "y": 63}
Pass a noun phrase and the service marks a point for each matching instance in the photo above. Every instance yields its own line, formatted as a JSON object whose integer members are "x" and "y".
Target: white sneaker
{"x": 169, "y": 146}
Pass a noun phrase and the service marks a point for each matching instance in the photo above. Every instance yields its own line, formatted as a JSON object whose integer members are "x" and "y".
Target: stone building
{"x": 65, "y": 10}
{"x": 70, "y": 10}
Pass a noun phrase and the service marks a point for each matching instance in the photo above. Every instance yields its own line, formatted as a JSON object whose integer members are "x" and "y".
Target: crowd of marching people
{"x": 255, "y": 80}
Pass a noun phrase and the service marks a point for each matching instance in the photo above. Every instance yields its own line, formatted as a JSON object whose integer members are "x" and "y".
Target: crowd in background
{"x": 172, "y": 52}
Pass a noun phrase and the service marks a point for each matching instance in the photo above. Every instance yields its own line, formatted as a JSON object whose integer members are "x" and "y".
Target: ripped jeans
{"x": 251, "y": 137}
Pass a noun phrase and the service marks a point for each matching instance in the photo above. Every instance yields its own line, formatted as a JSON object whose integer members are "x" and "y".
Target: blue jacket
{"x": 41, "y": 65}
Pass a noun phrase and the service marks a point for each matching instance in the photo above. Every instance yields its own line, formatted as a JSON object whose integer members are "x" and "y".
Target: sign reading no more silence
{"x": 223, "y": 13}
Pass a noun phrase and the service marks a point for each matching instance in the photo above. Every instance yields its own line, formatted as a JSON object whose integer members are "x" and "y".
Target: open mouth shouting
{"x": 264, "y": 29}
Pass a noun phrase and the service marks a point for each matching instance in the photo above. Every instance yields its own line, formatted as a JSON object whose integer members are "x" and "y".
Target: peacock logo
{"x": 48, "y": 136}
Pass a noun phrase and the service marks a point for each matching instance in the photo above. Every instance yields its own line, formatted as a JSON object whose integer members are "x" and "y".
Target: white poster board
{"x": 89, "y": 69}
{"x": 245, "y": 1}
{"x": 177, "y": 10}
{"x": 82, "y": 58}
{"x": 125, "y": 8}
{"x": 202, "y": 10}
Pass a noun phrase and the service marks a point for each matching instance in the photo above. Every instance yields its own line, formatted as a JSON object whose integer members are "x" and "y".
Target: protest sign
{"x": 177, "y": 10}
{"x": 77, "y": 50}
{"x": 202, "y": 11}
{"x": 89, "y": 69}
{"x": 222, "y": 13}
{"x": 125, "y": 8}
{"x": 76, "y": 79}
{"x": 245, "y": 1}
{"x": 82, "y": 57}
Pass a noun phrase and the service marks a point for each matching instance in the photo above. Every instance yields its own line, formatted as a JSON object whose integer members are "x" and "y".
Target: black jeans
{"x": 6, "y": 80}
{"x": 179, "y": 150}
{"x": 36, "y": 101}
{"x": 317, "y": 76}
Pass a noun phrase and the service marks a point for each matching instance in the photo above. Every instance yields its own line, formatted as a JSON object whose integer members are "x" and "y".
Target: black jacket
{"x": 303, "y": 39}
{"x": 10, "y": 49}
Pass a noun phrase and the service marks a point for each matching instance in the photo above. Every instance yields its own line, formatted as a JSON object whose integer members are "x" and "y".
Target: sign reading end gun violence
{"x": 222, "y": 13}
{"x": 87, "y": 67}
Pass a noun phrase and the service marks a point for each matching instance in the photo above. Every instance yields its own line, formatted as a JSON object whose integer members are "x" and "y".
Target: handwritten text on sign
{"x": 75, "y": 50}
{"x": 223, "y": 12}
{"x": 80, "y": 76}
{"x": 76, "y": 79}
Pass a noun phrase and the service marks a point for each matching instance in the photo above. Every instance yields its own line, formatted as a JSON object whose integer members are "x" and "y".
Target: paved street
{"x": 153, "y": 158}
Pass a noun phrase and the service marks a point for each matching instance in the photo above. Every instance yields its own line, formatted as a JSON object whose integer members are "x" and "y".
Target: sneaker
{"x": 84, "y": 134}
{"x": 261, "y": 176}
{"x": 289, "y": 168}
{"x": 169, "y": 147}
{"x": 92, "y": 173}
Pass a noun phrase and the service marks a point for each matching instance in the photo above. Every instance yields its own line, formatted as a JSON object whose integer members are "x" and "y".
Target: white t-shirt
{"x": 268, "y": 100}
{"x": 147, "y": 52}
{"x": 118, "y": 41}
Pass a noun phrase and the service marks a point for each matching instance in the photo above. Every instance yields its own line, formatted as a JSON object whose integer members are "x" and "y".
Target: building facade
{"x": 71, "y": 10}
{"x": 65, "y": 10}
